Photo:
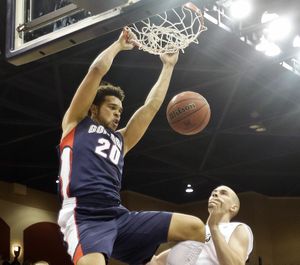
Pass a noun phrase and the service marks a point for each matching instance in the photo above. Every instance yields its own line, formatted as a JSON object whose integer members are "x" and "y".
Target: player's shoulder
{"x": 236, "y": 224}
{"x": 240, "y": 226}
{"x": 242, "y": 230}
{"x": 243, "y": 233}
{"x": 69, "y": 128}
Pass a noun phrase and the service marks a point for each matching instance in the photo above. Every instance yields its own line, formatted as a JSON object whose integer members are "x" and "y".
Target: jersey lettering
{"x": 106, "y": 150}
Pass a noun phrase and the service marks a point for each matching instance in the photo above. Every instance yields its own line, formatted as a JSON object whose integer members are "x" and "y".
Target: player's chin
{"x": 113, "y": 126}
{"x": 211, "y": 205}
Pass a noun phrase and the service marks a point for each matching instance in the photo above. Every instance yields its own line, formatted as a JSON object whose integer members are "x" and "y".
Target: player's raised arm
{"x": 139, "y": 122}
{"x": 87, "y": 90}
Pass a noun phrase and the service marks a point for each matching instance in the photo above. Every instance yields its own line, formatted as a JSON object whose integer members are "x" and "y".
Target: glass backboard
{"x": 36, "y": 28}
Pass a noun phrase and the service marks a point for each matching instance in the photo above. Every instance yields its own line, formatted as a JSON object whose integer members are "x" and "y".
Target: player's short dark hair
{"x": 107, "y": 89}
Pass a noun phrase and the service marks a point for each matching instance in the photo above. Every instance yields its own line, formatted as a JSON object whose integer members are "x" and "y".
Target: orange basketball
{"x": 188, "y": 113}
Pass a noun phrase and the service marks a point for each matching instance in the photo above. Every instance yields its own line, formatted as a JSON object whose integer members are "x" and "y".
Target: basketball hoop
{"x": 169, "y": 32}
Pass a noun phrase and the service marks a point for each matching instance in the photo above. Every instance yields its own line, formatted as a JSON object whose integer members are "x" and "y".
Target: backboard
{"x": 36, "y": 29}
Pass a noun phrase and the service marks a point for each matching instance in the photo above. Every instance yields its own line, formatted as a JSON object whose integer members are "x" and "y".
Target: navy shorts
{"x": 131, "y": 237}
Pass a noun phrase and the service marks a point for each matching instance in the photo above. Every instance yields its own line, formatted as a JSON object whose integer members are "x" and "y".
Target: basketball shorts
{"x": 131, "y": 237}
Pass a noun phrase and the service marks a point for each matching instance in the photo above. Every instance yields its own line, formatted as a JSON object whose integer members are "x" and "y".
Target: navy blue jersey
{"x": 91, "y": 163}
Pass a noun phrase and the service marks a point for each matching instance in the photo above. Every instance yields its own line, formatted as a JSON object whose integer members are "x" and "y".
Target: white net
{"x": 169, "y": 32}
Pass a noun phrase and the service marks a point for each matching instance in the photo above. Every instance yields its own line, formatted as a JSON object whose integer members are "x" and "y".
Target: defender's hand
{"x": 216, "y": 213}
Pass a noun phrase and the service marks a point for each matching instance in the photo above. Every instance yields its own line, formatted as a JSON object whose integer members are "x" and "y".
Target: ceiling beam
{"x": 26, "y": 110}
{"x": 211, "y": 144}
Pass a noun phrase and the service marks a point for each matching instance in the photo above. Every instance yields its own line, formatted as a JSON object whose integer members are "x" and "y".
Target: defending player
{"x": 226, "y": 243}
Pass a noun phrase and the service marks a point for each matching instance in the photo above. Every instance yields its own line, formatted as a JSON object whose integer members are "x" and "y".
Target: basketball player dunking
{"x": 94, "y": 223}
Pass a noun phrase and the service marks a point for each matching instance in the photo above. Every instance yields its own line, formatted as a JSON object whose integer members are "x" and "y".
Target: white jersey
{"x": 209, "y": 256}
{"x": 197, "y": 253}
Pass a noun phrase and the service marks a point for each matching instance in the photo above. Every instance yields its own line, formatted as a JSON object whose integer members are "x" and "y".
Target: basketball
{"x": 188, "y": 113}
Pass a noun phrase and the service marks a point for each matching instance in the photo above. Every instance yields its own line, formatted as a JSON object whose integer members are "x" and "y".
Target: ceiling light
{"x": 189, "y": 188}
{"x": 261, "y": 129}
{"x": 279, "y": 29}
{"x": 254, "y": 126}
{"x": 240, "y": 9}
{"x": 272, "y": 50}
{"x": 258, "y": 127}
{"x": 57, "y": 181}
{"x": 269, "y": 48}
{"x": 296, "y": 42}
{"x": 263, "y": 45}
{"x": 266, "y": 17}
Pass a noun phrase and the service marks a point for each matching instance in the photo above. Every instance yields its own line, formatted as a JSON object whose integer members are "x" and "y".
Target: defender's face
{"x": 221, "y": 194}
{"x": 109, "y": 112}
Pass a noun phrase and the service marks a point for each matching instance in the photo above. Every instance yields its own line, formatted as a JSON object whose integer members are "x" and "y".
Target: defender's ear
{"x": 234, "y": 209}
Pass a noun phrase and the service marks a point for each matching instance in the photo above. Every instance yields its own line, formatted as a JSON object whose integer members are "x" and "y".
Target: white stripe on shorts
{"x": 67, "y": 223}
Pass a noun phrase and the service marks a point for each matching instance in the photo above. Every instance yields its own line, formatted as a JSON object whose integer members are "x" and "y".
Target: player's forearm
{"x": 158, "y": 92}
{"x": 226, "y": 256}
{"x": 87, "y": 90}
{"x": 104, "y": 60}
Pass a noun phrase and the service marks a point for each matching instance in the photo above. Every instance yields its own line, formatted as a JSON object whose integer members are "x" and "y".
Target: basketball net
{"x": 169, "y": 32}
